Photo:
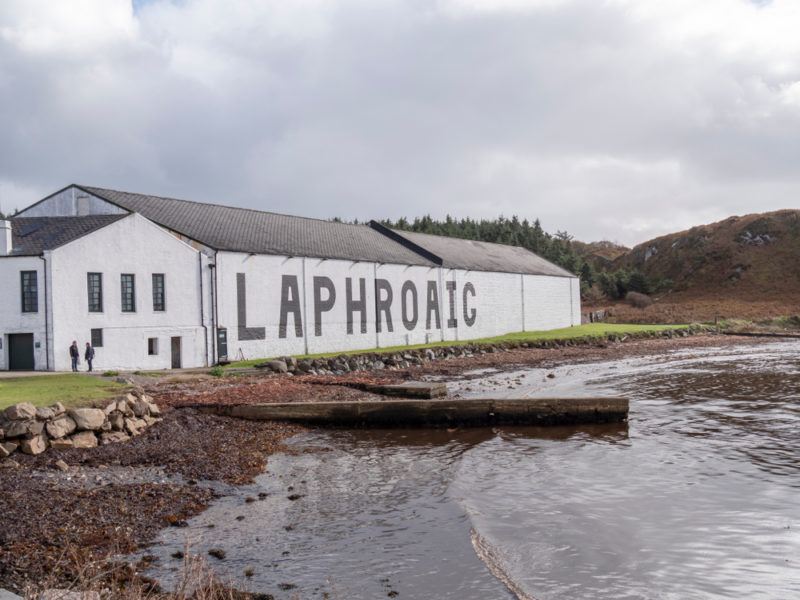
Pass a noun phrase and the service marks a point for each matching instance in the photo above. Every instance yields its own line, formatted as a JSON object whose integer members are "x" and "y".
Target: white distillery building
{"x": 158, "y": 283}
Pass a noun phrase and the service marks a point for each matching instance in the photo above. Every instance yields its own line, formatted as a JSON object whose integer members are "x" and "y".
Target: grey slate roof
{"x": 457, "y": 253}
{"x": 33, "y": 235}
{"x": 246, "y": 230}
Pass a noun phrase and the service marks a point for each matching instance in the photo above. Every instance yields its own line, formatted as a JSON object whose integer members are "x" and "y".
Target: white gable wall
{"x": 12, "y": 319}
{"x": 131, "y": 245}
{"x": 72, "y": 202}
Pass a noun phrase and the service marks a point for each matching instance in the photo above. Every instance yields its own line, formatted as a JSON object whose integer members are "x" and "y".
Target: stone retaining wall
{"x": 372, "y": 361}
{"x": 32, "y": 430}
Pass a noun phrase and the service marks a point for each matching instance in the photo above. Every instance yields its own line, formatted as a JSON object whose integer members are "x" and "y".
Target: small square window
{"x": 97, "y": 338}
{"x": 152, "y": 346}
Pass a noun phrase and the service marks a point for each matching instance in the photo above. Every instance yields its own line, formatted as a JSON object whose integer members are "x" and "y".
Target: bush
{"x": 638, "y": 300}
{"x": 217, "y": 371}
{"x": 110, "y": 373}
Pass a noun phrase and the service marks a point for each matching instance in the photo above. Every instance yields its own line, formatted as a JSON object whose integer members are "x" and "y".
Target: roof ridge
{"x": 226, "y": 206}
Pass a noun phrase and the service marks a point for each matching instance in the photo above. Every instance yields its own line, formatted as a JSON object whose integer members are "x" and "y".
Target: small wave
{"x": 493, "y": 561}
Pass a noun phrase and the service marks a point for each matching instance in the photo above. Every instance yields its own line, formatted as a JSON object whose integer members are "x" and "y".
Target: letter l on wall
{"x": 245, "y": 333}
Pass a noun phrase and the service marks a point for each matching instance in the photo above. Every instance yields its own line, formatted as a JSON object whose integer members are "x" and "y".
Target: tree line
{"x": 557, "y": 248}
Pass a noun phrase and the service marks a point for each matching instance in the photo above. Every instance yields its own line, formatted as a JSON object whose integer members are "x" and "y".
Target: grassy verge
{"x": 591, "y": 330}
{"x": 43, "y": 390}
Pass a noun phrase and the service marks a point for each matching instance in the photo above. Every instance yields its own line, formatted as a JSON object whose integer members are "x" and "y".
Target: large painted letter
{"x": 452, "y": 322}
{"x": 290, "y": 303}
{"x": 383, "y": 305}
{"x": 320, "y": 305}
{"x": 409, "y": 322}
{"x": 356, "y": 305}
{"x": 433, "y": 305}
{"x": 244, "y": 332}
{"x": 469, "y": 315}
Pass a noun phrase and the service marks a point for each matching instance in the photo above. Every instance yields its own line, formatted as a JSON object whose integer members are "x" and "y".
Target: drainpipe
{"x": 202, "y": 301}
{"x": 214, "y": 315}
{"x": 46, "y": 319}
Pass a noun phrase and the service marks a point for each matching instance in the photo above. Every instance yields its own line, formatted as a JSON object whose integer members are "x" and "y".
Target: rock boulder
{"x": 20, "y": 412}
{"x": 88, "y": 419}
{"x": 61, "y": 427}
{"x": 36, "y": 445}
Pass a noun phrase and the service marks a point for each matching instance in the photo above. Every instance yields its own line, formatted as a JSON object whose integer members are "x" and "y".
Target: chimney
{"x": 6, "y": 243}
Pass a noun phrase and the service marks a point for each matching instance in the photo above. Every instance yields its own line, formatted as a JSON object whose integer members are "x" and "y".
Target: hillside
{"x": 601, "y": 255}
{"x": 747, "y": 267}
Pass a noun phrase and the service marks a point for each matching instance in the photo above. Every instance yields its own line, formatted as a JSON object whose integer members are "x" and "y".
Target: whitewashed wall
{"x": 12, "y": 319}
{"x": 131, "y": 245}
{"x": 551, "y": 302}
{"x": 498, "y": 304}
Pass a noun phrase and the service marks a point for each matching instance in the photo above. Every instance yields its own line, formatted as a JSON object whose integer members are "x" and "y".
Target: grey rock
{"x": 20, "y": 412}
{"x": 62, "y": 444}
{"x": 18, "y": 428}
{"x": 45, "y": 413}
{"x": 114, "y": 437}
{"x": 58, "y": 409}
{"x": 36, "y": 445}
{"x": 61, "y": 427}
{"x": 277, "y": 366}
{"x": 88, "y": 419}
{"x": 7, "y": 449}
{"x": 117, "y": 421}
{"x": 6, "y": 595}
{"x": 84, "y": 439}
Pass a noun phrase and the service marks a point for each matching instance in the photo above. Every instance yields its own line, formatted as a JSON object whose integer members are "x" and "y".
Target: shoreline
{"x": 115, "y": 499}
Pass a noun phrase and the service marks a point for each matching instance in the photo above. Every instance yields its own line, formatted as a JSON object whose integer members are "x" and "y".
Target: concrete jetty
{"x": 446, "y": 412}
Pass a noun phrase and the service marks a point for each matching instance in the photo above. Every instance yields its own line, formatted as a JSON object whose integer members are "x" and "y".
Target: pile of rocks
{"x": 33, "y": 430}
{"x": 373, "y": 361}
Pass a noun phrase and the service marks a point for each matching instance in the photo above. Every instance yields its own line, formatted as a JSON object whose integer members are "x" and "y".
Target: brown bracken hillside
{"x": 744, "y": 267}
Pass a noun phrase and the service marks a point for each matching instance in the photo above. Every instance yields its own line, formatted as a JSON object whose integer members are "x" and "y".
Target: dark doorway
{"x": 176, "y": 353}
{"x": 222, "y": 344}
{"x": 20, "y": 352}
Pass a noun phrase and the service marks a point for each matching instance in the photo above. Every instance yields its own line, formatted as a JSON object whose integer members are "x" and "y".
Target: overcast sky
{"x": 617, "y": 119}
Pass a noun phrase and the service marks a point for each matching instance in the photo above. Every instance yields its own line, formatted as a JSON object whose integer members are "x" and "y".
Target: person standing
{"x": 75, "y": 355}
{"x": 89, "y": 355}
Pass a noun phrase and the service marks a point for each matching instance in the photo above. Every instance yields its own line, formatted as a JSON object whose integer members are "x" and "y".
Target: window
{"x": 152, "y": 346}
{"x": 159, "y": 295}
{"x": 30, "y": 292}
{"x": 97, "y": 338}
{"x": 94, "y": 284}
{"x": 128, "y": 293}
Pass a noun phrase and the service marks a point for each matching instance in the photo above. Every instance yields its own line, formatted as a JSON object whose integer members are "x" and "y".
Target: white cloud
{"x": 620, "y": 119}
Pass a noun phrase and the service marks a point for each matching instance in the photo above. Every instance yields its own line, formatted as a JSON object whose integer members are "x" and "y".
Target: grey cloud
{"x": 591, "y": 116}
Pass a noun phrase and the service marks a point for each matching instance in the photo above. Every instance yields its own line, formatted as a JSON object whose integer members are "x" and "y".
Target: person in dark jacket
{"x": 75, "y": 355}
{"x": 89, "y": 355}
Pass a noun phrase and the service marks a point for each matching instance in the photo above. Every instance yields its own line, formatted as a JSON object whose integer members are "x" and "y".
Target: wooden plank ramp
{"x": 474, "y": 412}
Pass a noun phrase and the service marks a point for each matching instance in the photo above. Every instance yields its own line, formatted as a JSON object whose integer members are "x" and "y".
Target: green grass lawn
{"x": 590, "y": 330}
{"x": 42, "y": 390}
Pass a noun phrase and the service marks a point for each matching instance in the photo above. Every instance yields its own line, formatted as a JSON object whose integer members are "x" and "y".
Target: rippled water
{"x": 697, "y": 497}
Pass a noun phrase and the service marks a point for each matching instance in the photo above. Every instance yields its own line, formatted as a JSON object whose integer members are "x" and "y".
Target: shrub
{"x": 110, "y": 373}
{"x": 638, "y": 300}
{"x": 217, "y": 371}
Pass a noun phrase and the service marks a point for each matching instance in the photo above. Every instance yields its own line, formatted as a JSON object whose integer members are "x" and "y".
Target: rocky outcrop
{"x": 31, "y": 430}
